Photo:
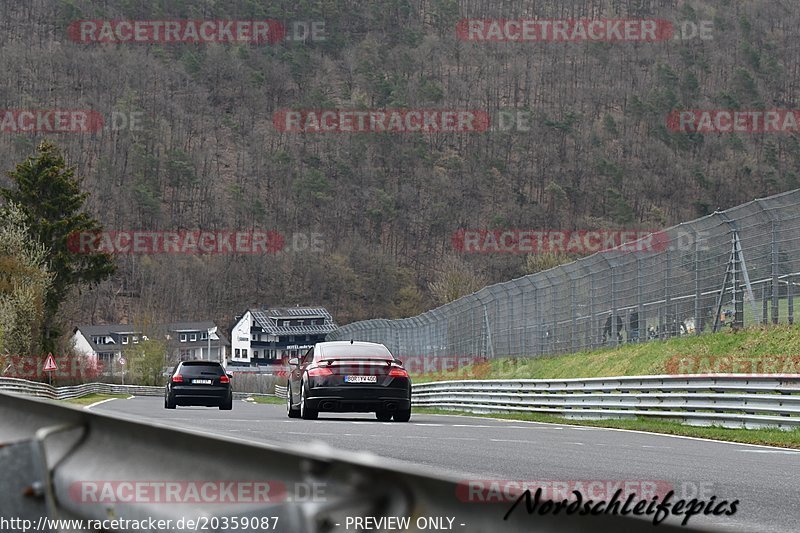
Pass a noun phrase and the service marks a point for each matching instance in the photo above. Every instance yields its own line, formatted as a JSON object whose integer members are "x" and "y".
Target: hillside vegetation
{"x": 597, "y": 154}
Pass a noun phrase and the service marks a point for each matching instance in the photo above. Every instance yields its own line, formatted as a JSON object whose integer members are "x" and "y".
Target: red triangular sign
{"x": 50, "y": 363}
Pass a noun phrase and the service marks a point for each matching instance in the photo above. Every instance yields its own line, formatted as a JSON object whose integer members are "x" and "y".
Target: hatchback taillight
{"x": 398, "y": 373}
{"x": 320, "y": 371}
{"x": 177, "y": 378}
{"x": 224, "y": 379}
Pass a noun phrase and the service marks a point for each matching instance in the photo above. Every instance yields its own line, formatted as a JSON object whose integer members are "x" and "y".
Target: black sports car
{"x": 347, "y": 376}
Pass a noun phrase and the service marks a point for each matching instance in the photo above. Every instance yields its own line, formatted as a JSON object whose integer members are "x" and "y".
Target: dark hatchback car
{"x": 199, "y": 383}
{"x": 347, "y": 376}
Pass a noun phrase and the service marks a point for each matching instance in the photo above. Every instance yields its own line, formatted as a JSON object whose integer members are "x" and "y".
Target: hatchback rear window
{"x": 355, "y": 351}
{"x": 200, "y": 369}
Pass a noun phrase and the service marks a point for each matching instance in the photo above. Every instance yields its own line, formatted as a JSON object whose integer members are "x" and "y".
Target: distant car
{"x": 347, "y": 376}
{"x": 199, "y": 383}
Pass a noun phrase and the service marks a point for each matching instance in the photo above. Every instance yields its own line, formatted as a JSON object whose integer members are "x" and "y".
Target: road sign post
{"x": 50, "y": 366}
{"x": 121, "y": 360}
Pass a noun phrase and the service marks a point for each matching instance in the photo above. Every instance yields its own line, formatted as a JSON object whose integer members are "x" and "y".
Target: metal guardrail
{"x": 731, "y": 400}
{"x": 43, "y": 390}
{"x": 50, "y": 452}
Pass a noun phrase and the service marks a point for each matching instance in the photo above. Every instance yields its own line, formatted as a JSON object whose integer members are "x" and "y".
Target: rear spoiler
{"x": 335, "y": 360}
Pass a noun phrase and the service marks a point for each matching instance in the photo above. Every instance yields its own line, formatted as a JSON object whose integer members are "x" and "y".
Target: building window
{"x": 244, "y": 352}
{"x": 193, "y": 337}
{"x": 124, "y": 339}
{"x": 237, "y": 352}
{"x": 183, "y": 337}
{"x": 255, "y": 353}
{"x": 254, "y": 337}
{"x": 204, "y": 336}
{"x": 135, "y": 339}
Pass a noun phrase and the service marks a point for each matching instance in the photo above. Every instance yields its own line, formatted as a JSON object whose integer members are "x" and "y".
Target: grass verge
{"x": 93, "y": 398}
{"x": 769, "y": 437}
{"x": 759, "y": 350}
{"x": 274, "y": 400}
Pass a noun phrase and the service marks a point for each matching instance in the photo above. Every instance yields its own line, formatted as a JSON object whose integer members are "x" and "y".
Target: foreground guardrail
{"x": 55, "y": 459}
{"x": 731, "y": 400}
{"x": 43, "y": 390}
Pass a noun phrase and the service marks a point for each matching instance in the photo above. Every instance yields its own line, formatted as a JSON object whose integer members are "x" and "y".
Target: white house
{"x": 264, "y": 337}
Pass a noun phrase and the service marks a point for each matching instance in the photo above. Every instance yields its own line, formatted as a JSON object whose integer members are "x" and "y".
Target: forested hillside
{"x": 597, "y": 154}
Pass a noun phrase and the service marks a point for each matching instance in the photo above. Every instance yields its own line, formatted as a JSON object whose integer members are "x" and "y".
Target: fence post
{"x": 592, "y": 312}
{"x": 774, "y": 261}
{"x": 738, "y": 297}
{"x": 669, "y": 319}
{"x": 775, "y": 273}
{"x": 641, "y": 325}
{"x": 573, "y": 319}
{"x": 698, "y": 320}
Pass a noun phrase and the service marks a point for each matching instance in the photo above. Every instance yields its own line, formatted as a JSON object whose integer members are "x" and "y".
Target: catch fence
{"x": 733, "y": 268}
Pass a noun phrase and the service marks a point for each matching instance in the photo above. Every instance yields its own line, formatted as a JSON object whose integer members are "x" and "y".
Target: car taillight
{"x": 320, "y": 371}
{"x": 177, "y": 378}
{"x": 398, "y": 373}
{"x": 224, "y": 379}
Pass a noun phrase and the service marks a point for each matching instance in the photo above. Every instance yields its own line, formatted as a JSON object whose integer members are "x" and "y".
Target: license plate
{"x": 201, "y": 381}
{"x": 361, "y": 379}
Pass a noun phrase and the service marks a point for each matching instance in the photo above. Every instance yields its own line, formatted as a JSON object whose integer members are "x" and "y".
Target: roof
{"x": 104, "y": 330}
{"x": 203, "y": 325}
{"x": 267, "y": 320}
{"x": 108, "y": 328}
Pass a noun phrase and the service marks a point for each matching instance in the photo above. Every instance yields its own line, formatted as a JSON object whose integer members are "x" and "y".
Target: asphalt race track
{"x": 763, "y": 479}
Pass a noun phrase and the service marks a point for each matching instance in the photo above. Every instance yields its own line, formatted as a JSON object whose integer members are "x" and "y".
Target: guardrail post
{"x": 790, "y": 299}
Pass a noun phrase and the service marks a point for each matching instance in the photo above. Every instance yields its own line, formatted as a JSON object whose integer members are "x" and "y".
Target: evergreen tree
{"x": 49, "y": 195}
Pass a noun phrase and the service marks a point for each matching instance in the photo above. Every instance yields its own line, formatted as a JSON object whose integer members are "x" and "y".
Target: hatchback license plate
{"x": 201, "y": 381}
{"x": 361, "y": 379}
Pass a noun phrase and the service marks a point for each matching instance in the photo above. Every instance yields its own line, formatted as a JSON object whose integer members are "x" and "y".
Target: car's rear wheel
{"x": 305, "y": 411}
{"x": 383, "y": 416}
{"x": 403, "y": 415}
{"x": 169, "y": 402}
{"x": 227, "y": 404}
{"x": 291, "y": 410}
